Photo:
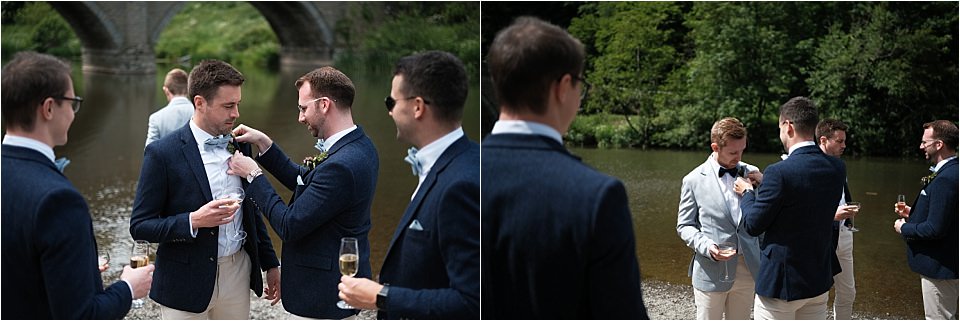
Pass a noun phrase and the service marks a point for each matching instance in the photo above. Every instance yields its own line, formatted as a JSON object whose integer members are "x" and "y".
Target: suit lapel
{"x": 454, "y": 150}
{"x": 307, "y": 177}
{"x": 192, "y": 154}
{"x": 714, "y": 183}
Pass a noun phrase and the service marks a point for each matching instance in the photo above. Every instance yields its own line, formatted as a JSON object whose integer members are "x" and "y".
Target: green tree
{"x": 633, "y": 56}
{"x": 892, "y": 68}
{"x": 36, "y": 26}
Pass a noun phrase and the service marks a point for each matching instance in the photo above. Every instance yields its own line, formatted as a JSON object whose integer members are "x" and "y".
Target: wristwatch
{"x": 382, "y": 298}
{"x": 253, "y": 174}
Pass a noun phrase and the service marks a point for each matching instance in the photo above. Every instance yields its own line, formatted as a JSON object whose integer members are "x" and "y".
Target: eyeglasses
{"x": 390, "y": 102}
{"x": 926, "y": 143}
{"x": 303, "y": 108}
{"x": 75, "y": 104}
{"x": 585, "y": 90}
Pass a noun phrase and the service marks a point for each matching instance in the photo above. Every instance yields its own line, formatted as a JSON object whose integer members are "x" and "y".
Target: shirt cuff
{"x": 129, "y": 287}
{"x": 264, "y": 151}
{"x": 193, "y": 231}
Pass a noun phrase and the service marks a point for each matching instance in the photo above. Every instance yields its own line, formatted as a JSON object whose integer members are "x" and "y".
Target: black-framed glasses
{"x": 390, "y": 102}
{"x": 585, "y": 90}
{"x": 303, "y": 108}
{"x": 75, "y": 102}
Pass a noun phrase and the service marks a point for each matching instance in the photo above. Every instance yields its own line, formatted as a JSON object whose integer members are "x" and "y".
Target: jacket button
{"x": 213, "y": 233}
{"x": 211, "y": 259}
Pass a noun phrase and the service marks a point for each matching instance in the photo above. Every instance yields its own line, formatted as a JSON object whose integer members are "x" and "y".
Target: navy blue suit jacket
{"x": 434, "y": 272}
{"x": 333, "y": 203}
{"x": 49, "y": 250}
{"x": 794, "y": 210}
{"x": 557, "y": 236}
{"x": 931, "y": 230}
{"x": 172, "y": 184}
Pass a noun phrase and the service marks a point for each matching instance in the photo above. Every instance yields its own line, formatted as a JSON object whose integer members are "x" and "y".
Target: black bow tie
{"x": 732, "y": 171}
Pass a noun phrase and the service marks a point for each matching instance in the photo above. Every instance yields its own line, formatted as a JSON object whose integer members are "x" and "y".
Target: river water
{"x": 886, "y": 288}
{"x": 106, "y": 143}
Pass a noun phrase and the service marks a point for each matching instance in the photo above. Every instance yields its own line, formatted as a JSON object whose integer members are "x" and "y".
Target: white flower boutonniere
{"x": 927, "y": 179}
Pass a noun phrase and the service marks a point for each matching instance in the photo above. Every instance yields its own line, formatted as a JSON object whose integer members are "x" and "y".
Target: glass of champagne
{"x": 235, "y": 193}
{"x": 727, "y": 249}
{"x": 901, "y": 203}
{"x": 139, "y": 257}
{"x": 856, "y": 210}
{"x": 349, "y": 262}
{"x": 103, "y": 258}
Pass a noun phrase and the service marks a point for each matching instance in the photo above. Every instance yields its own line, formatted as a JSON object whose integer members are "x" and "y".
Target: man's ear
{"x": 198, "y": 101}
{"x": 714, "y": 147}
{"x": 823, "y": 140}
{"x": 46, "y": 108}
{"x": 419, "y": 108}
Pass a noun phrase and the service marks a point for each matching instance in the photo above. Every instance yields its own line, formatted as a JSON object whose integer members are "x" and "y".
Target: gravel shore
{"x": 664, "y": 301}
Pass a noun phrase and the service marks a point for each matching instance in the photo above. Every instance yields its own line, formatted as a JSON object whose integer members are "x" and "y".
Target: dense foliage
{"x": 36, "y": 26}
{"x": 384, "y": 32}
{"x": 663, "y": 72}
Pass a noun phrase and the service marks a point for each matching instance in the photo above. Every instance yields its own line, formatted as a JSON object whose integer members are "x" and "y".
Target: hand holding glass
{"x": 139, "y": 257}
{"x": 103, "y": 260}
{"x": 349, "y": 262}
{"x": 901, "y": 204}
{"x": 856, "y": 211}
{"x": 727, "y": 249}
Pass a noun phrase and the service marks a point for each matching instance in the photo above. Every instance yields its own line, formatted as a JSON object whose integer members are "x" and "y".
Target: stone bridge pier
{"x": 119, "y": 37}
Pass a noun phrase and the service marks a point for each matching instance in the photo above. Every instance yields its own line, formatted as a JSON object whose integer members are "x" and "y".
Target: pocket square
{"x": 299, "y": 180}
{"x": 923, "y": 192}
{"x": 415, "y": 225}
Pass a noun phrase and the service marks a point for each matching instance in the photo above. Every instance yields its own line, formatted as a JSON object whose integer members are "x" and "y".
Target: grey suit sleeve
{"x": 688, "y": 221}
{"x": 153, "y": 132}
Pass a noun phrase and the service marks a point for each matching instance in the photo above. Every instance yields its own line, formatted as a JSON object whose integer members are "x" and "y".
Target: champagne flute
{"x": 349, "y": 262}
{"x": 103, "y": 258}
{"x": 139, "y": 257}
{"x": 901, "y": 203}
{"x": 856, "y": 210}
{"x": 727, "y": 249}
{"x": 235, "y": 193}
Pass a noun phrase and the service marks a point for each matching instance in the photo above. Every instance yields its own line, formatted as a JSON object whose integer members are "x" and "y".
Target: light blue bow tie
{"x": 61, "y": 163}
{"x": 319, "y": 146}
{"x": 933, "y": 169}
{"x": 414, "y": 161}
{"x": 217, "y": 142}
{"x": 784, "y": 156}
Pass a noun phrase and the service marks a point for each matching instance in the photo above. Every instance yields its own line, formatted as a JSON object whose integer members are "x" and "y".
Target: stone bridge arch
{"x": 119, "y": 37}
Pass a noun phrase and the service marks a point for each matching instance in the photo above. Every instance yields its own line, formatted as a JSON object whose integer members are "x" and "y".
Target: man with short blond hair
{"x": 709, "y": 214}
{"x": 176, "y": 113}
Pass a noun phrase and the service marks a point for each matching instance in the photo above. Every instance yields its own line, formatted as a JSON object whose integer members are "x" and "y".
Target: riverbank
{"x": 664, "y": 301}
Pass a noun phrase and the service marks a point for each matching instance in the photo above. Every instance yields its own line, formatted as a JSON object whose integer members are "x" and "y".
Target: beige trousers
{"x": 231, "y": 293}
{"x": 735, "y": 303}
{"x": 939, "y": 298}
{"x": 814, "y": 308}
{"x": 843, "y": 283}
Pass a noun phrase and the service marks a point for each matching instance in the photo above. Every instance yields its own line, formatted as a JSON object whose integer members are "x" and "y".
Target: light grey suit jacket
{"x": 704, "y": 219}
{"x": 168, "y": 119}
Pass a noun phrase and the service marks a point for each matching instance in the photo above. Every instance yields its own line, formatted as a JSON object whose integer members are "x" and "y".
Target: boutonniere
{"x": 312, "y": 162}
{"x": 232, "y": 147}
{"x": 927, "y": 179}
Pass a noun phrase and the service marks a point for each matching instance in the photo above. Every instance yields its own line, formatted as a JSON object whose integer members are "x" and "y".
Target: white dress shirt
{"x": 215, "y": 164}
{"x": 429, "y": 154}
{"x": 525, "y": 127}
{"x": 935, "y": 169}
{"x": 726, "y": 186}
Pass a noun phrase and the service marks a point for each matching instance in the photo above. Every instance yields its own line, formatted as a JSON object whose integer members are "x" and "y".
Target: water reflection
{"x": 107, "y": 140}
{"x": 886, "y": 288}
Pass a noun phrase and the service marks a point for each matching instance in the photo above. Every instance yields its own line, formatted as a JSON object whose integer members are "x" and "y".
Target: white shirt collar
{"x": 798, "y": 145}
{"x": 30, "y": 143}
{"x": 527, "y": 128}
{"x": 936, "y": 169}
{"x": 330, "y": 141}
{"x": 199, "y": 134}
{"x": 429, "y": 154}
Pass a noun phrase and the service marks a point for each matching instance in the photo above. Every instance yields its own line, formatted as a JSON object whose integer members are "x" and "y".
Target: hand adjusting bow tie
{"x": 217, "y": 142}
{"x": 319, "y": 146}
{"x": 61, "y": 163}
{"x": 733, "y": 171}
{"x": 414, "y": 161}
